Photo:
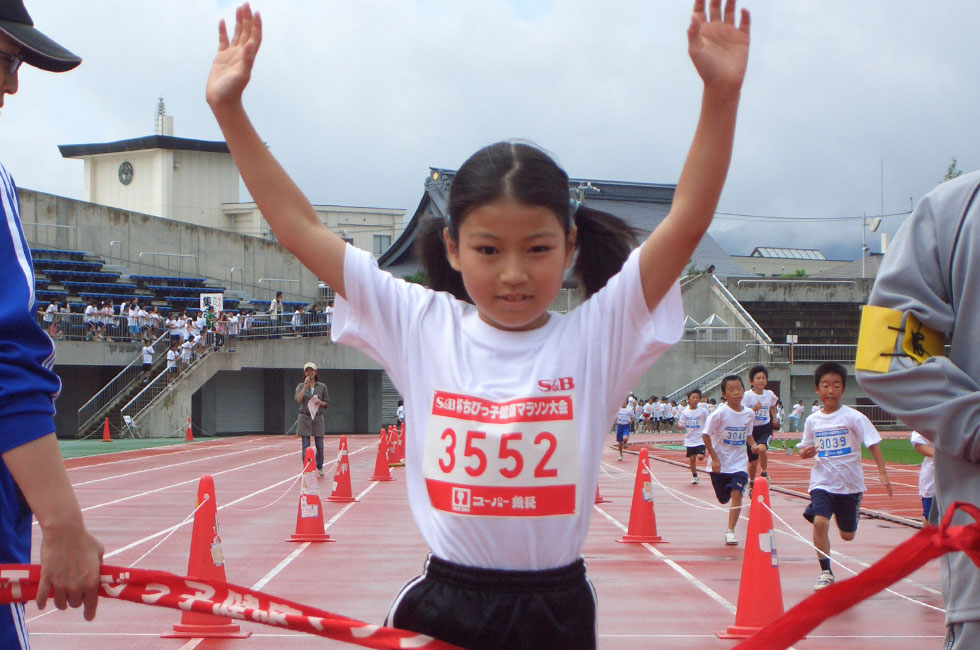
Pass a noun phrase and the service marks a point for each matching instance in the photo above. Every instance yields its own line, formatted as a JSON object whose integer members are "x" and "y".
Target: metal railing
{"x": 729, "y": 367}
{"x": 71, "y": 326}
{"x": 156, "y": 387}
{"x": 91, "y": 410}
{"x": 743, "y": 315}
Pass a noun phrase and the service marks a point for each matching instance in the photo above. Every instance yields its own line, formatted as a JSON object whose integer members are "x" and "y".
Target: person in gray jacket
{"x": 927, "y": 292}
{"x": 313, "y": 400}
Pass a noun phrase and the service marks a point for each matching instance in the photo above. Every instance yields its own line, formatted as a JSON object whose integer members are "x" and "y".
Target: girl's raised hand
{"x": 718, "y": 47}
{"x": 232, "y": 66}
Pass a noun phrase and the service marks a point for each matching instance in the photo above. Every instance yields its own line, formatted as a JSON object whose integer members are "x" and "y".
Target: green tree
{"x": 418, "y": 278}
{"x": 952, "y": 171}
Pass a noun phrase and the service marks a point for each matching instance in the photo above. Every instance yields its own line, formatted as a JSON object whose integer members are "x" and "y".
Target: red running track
{"x": 674, "y": 595}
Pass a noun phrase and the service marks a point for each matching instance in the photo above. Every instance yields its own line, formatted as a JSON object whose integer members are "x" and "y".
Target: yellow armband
{"x": 879, "y": 335}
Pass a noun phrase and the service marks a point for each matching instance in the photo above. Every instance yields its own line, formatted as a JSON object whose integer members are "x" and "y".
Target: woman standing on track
{"x": 313, "y": 400}
{"x": 507, "y": 404}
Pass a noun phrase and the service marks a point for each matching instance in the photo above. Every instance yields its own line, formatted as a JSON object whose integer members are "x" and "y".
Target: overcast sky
{"x": 358, "y": 99}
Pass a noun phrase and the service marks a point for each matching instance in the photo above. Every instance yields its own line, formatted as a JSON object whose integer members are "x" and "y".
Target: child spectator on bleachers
{"x": 927, "y": 473}
{"x": 49, "y": 317}
{"x": 155, "y": 318}
{"x": 834, "y": 435}
{"x": 297, "y": 322}
{"x": 147, "y": 353}
{"x": 233, "y": 326}
{"x": 133, "y": 321}
{"x": 89, "y": 318}
{"x": 186, "y": 353}
{"x": 173, "y": 356}
{"x": 726, "y": 433}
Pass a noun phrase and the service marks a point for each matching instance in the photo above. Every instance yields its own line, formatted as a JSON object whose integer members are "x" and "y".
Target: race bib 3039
{"x": 517, "y": 458}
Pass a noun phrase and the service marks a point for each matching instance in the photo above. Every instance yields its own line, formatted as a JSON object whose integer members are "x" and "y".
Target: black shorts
{"x": 725, "y": 483}
{"x": 846, "y": 508}
{"x": 695, "y": 451}
{"x": 761, "y": 434}
{"x": 489, "y": 608}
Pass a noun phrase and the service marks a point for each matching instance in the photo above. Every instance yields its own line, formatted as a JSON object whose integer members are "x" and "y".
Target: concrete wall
{"x": 212, "y": 253}
{"x": 802, "y": 290}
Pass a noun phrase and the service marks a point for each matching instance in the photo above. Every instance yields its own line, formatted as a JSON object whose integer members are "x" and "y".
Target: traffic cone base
{"x": 206, "y": 561}
{"x": 760, "y": 596}
{"x": 105, "y": 431}
{"x": 643, "y": 523}
{"x": 309, "y": 514}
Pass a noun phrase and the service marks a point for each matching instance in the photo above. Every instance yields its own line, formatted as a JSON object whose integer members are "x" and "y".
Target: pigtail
{"x": 604, "y": 242}
{"x": 430, "y": 251}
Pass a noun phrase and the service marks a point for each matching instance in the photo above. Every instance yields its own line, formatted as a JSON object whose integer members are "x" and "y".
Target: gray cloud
{"x": 359, "y": 99}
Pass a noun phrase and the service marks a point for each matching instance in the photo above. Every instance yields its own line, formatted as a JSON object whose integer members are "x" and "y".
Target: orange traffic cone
{"x": 206, "y": 561}
{"x": 309, "y": 515}
{"x": 598, "y": 497}
{"x": 760, "y": 596}
{"x": 394, "y": 459}
{"x": 643, "y": 523}
{"x": 381, "y": 472}
{"x": 401, "y": 443}
{"x": 341, "y": 476}
{"x": 105, "y": 431}
{"x": 189, "y": 435}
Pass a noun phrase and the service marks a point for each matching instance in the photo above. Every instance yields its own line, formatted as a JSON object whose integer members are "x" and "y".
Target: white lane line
{"x": 157, "y": 452}
{"x": 715, "y": 596}
{"x": 295, "y": 554}
{"x": 172, "y": 465}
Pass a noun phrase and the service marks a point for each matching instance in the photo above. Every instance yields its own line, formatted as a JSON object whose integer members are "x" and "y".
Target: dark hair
{"x": 694, "y": 390}
{"x": 756, "y": 370}
{"x": 830, "y": 368}
{"x": 728, "y": 378}
{"x": 528, "y": 175}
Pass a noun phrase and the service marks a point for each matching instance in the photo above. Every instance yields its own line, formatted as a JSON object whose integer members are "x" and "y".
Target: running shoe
{"x": 319, "y": 472}
{"x": 695, "y": 480}
{"x": 826, "y": 579}
{"x": 731, "y": 540}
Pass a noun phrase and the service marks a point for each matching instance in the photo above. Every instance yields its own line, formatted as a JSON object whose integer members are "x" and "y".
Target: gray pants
{"x": 962, "y": 636}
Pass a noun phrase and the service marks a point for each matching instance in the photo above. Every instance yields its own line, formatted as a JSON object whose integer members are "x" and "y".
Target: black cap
{"x": 37, "y": 49}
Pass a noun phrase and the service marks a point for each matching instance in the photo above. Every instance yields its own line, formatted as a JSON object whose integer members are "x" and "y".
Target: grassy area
{"x": 893, "y": 451}
{"x": 94, "y": 447}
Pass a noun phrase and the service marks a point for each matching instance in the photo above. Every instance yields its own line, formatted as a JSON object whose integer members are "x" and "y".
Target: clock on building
{"x": 126, "y": 173}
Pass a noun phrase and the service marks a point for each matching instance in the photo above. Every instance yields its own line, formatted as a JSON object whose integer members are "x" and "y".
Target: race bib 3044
{"x": 517, "y": 458}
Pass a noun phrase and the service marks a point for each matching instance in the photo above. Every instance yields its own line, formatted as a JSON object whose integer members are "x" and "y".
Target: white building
{"x": 196, "y": 181}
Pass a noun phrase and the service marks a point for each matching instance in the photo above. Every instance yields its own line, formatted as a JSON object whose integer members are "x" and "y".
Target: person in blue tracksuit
{"x": 33, "y": 479}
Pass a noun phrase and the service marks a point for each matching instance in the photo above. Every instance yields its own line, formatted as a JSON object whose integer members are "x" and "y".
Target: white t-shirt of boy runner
{"x": 838, "y": 437}
{"x": 728, "y": 429}
{"x": 766, "y": 400}
{"x": 692, "y": 421}
{"x": 927, "y": 471}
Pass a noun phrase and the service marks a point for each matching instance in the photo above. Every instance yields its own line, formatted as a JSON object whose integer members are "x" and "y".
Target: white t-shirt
{"x": 147, "y": 354}
{"x": 814, "y": 408}
{"x": 49, "y": 313}
{"x": 797, "y": 411}
{"x": 766, "y": 400}
{"x": 400, "y": 413}
{"x": 838, "y": 437}
{"x": 692, "y": 421}
{"x": 625, "y": 416}
{"x": 927, "y": 472}
{"x": 649, "y": 410}
{"x": 90, "y": 312}
{"x": 172, "y": 358}
{"x": 505, "y": 428}
{"x": 728, "y": 429}
{"x": 233, "y": 325}
{"x": 185, "y": 349}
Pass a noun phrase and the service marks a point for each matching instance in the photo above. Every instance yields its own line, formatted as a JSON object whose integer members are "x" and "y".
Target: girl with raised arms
{"x": 507, "y": 403}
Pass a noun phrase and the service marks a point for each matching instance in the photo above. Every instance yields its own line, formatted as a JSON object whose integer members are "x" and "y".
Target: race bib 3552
{"x": 517, "y": 458}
